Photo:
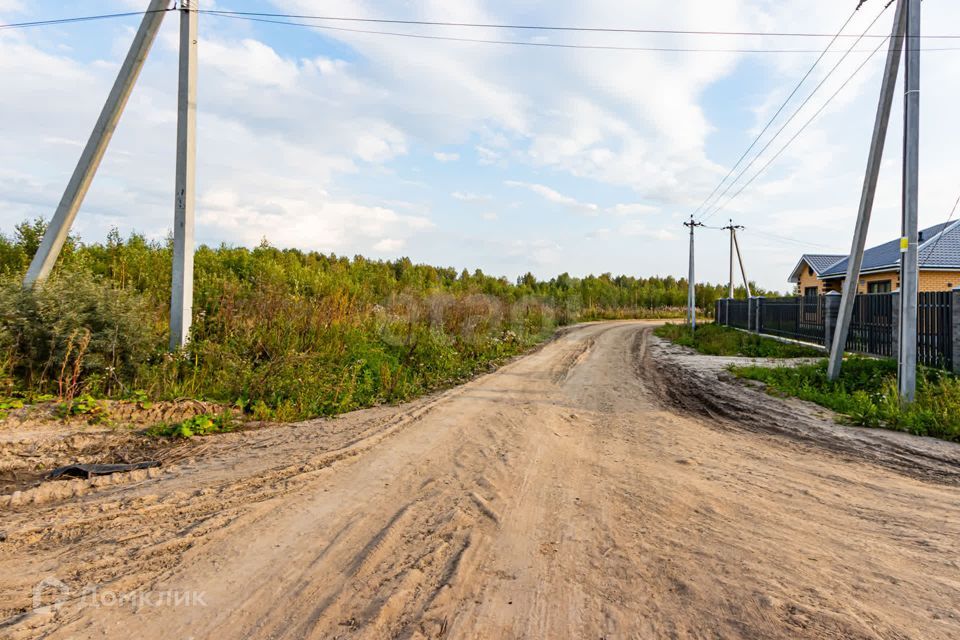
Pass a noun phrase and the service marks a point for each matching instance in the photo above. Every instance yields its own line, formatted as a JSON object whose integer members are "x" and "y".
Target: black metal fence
{"x": 935, "y": 329}
{"x": 797, "y": 318}
{"x": 872, "y": 326}
{"x": 737, "y": 313}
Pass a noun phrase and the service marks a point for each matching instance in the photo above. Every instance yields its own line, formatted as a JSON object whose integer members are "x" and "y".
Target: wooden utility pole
{"x": 181, "y": 291}
{"x": 691, "y": 292}
{"x": 855, "y": 260}
{"x": 59, "y": 227}
{"x": 909, "y": 276}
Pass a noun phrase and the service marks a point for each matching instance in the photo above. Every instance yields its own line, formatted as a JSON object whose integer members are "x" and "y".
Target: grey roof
{"x": 937, "y": 251}
{"x": 820, "y": 261}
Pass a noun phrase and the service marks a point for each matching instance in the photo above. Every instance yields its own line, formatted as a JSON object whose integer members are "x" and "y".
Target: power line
{"x": 56, "y": 21}
{"x": 801, "y": 130}
{"x": 795, "y": 114}
{"x": 531, "y": 27}
{"x": 775, "y": 115}
{"x": 421, "y": 36}
{"x": 773, "y": 236}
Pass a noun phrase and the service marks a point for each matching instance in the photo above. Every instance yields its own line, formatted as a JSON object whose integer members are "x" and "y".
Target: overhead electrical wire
{"x": 483, "y": 25}
{"x": 801, "y": 129}
{"x": 795, "y": 113}
{"x": 523, "y": 43}
{"x": 775, "y": 115}
{"x": 102, "y": 16}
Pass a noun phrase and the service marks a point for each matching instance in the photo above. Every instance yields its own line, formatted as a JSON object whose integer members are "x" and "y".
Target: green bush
{"x": 76, "y": 333}
{"x": 718, "y": 340}
{"x": 866, "y": 394}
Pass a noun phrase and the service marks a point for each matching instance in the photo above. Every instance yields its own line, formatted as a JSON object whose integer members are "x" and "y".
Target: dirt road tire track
{"x": 562, "y": 496}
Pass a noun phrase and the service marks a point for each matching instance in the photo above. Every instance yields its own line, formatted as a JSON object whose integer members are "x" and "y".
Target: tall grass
{"x": 866, "y": 394}
{"x": 285, "y": 334}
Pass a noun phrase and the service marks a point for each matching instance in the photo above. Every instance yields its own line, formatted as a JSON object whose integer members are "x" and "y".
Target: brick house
{"x": 938, "y": 257}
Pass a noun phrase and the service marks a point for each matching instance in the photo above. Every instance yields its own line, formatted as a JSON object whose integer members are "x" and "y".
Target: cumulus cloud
{"x": 556, "y": 197}
{"x": 440, "y": 156}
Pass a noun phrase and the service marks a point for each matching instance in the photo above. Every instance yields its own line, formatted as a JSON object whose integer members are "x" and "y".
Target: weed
{"x": 85, "y": 405}
{"x": 199, "y": 425}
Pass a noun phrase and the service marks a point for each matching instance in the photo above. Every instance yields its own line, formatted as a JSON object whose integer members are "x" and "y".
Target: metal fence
{"x": 797, "y": 318}
{"x": 871, "y": 325}
{"x": 737, "y": 313}
{"x": 935, "y": 329}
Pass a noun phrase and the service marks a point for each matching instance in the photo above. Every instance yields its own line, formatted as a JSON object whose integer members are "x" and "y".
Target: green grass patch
{"x": 200, "y": 425}
{"x": 717, "y": 340}
{"x": 866, "y": 394}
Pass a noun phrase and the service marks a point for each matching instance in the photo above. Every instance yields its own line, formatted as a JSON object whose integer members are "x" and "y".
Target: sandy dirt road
{"x": 563, "y": 496}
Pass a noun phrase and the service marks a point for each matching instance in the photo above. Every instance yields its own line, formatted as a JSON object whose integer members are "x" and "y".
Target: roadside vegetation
{"x": 866, "y": 394}
{"x": 279, "y": 334}
{"x": 718, "y": 340}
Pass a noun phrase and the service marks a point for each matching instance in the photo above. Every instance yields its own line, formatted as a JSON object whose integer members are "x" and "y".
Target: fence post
{"x": 831, "y": 310}
{"x": 955, "y": 328}
{"x": 895, "y": 323}
{"x": 751, "y": 314}
{"x": 758, "y": 305}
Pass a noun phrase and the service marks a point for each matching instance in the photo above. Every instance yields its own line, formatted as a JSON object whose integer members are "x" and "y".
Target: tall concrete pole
{"x": 743, "y": 272}
{"x": 907, "y": 368}
{"x": 181, "y": 297}
{"x": 874, "y": 159}
{"x": 86, "y": 168}
{"x": 691, "y": 280}
{"x": 734, "y": 248}
{"x": 730, "y": 292}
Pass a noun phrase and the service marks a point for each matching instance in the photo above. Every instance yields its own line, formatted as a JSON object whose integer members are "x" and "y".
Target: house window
{"x": 882, "y": 286}
{"x": 810, "y": 292}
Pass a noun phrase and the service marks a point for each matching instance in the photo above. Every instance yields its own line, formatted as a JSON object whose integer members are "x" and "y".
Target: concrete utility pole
{"x": 874, "y": 159}
{"x": 691, "y": 292}
{"x": 86, "y": 168}
{"x": 743, "y": 272}
{"x": 907, "y": 367}
{"x": 732, "y": 227}
{"x": 181, "y": 291}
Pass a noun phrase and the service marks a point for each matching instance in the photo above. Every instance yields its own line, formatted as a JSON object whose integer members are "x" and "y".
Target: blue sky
{"x": 474, "y": 155}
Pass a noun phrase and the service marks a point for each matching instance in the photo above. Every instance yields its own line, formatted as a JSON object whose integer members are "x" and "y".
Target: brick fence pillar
{"x": 831, "y": 310}
{"x": 895, "y": 324}
{"x": 955, "y": 328}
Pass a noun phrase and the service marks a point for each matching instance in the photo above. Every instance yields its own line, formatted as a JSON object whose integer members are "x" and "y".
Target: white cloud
{"x": 389, "y": 245}
{"x": 471, "y": 197}
{"x": 556, "y": 197}
{"x": 489, "y": 215}
{"x": 446, "y": 157}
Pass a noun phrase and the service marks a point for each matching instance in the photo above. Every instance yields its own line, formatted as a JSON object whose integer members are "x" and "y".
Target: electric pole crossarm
{"x": 86, "y": 168}
{"x": 855, "y": 260}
